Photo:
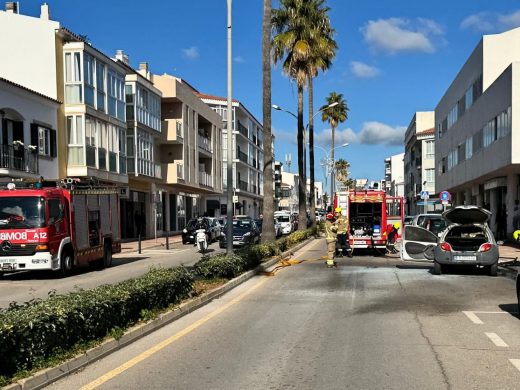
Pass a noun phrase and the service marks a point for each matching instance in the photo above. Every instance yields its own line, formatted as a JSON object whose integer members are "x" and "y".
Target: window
{"x": 490, "y": 132}
{"x": 429, "y": 175}
{"x": 116, "y": 95}
{"x": 100, "y": 85}
{"x": 88, "y": 69}
{"x": 468, "y": 98}
{"x": 469, "y": 148}
{"x": 73, "y": 88}
{"x": 452, "y": 116}
{"x": 430, "y": 149}
{"x": 75, "y": 139}
{"x": 44, "y": 141}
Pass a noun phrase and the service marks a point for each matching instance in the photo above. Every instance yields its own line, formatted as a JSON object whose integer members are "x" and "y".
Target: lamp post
{"x": 229, "y": 130}
{"x": 329, "y": 163}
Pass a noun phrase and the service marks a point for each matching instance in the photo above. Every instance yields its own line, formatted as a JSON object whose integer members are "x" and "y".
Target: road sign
{"x": 235, "y": 198}
{"x": 425, "y": 195}
{"x": 445, "y": 196}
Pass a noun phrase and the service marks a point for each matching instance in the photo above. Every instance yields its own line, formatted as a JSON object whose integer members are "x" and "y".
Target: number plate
{"x": 236, "y": 242}
{"x": 465, "y": 258}
{"x": 7, "y": 260}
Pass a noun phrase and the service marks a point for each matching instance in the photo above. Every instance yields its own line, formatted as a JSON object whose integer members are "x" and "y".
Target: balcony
{"x": 172, "y": 173}
{"x": 205, "y": 144}
{"x": 172, "y": 130}
{"x": 242, "y": 185}
{"x": 242, "y": 129}
{"x": 205, "y": 179}
{"x": 18, "y": 159}
{"x": 242, "y": 156}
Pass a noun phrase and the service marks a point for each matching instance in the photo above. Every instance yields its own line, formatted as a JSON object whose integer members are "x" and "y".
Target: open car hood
{"x": 467, "y": 215}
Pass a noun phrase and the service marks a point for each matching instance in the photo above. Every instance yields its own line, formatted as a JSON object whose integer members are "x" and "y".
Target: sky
{"x": 395, "y": 58}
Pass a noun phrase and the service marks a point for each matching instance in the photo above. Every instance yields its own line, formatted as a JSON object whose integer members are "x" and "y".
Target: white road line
{"x": 516, "y": 363}
{"x": 473, "y": 317}
{"x": 492, "y": 312}
{"x": 496, "y": 339}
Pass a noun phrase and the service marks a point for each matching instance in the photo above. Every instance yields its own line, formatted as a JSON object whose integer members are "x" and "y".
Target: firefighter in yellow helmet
{"x": 331, "y": 239}
{"x": 342, "y": 228}
{"x": 516, "y": 235}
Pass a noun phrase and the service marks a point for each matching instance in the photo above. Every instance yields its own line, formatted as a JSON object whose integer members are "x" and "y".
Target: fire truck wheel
{"x": 66, "y": 263}
{"x": 107, "y": 255}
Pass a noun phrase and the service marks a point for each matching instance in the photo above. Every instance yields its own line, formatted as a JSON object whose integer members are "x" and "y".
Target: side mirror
{"x": 500, "y": 242}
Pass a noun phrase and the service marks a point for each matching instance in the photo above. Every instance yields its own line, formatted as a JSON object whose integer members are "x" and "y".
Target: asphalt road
{"x": 370, "y": 323}
{"x": 23, "y": 286}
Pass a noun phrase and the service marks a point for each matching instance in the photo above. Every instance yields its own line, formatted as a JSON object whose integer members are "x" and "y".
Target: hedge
{"x": 38, "y": 330}
{"x": 227, "y": 267}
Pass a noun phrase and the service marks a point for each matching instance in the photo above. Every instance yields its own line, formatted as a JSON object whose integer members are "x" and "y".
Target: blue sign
{"x": 445, "y": 196}
{"x": 425, "y": 195}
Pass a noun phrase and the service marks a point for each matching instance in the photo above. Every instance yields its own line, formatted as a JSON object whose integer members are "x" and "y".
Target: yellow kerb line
{"x": 163, "y": 344}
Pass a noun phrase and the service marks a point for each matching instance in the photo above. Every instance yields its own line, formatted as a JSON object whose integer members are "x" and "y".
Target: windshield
{"x": 241, "y": 224}
{"x": 434, "y": 225}
{"x": 22, "y": 212}
{"x": 283, "y": 218}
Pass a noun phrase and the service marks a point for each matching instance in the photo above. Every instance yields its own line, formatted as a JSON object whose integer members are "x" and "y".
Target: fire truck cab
{"x": 57, "y": 226}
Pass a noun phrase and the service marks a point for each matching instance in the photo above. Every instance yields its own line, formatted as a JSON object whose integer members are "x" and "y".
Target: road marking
{"x": 516, "y": 363}
{"x": 473, "y": 317}
{"x": 493, "y": 312}
{"x": 163, "y": 344}
{"x": 496, "y": 339}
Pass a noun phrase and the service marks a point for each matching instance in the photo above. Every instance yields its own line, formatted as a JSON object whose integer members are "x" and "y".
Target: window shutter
{"x": 34, "y": 134}
{"x": 52, "y": 133}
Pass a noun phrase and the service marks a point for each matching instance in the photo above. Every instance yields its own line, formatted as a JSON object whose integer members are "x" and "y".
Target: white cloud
{"x": 396, "y": 35}
{"x": 282, "y": 136}
{"x": 371, "y": 133}
{"x": 191, "y": 53}
{"x": 239, "y": 59}
{"x": 363, "y": 71}
{"x": 486, "y": 22}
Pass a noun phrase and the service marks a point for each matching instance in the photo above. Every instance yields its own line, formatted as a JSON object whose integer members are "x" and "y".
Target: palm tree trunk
{"x": 302, "y": 198}
{"x": 312, "y": 191}
{"x": 268, "y": 233}
{"x": 333, "y": 171}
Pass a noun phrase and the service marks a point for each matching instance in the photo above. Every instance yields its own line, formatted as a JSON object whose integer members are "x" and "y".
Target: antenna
{"x": 288, "y": 161}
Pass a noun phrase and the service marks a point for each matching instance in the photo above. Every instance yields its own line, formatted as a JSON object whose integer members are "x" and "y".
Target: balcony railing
{"x": 180, "y": 171}
{"x": 242, "y": 156}
{"x": 205, "y": 179}
{"x": 242, "y": 185}
{"x": 242, "y": 129}
{"x": 205, "y": 143}
{"x": 18, "y": 158}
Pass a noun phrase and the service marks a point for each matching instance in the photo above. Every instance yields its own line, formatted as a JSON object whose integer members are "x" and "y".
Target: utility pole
{"x": 229, "y": 232}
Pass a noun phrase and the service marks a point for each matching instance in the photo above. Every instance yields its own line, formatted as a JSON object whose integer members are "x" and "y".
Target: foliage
{"x": 39, "y": 329}
{"x": 336, "y": 114}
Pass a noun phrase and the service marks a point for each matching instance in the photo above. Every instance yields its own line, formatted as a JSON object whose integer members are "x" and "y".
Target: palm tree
{"x": 334, "y": 115}
{"x": 297, "y": 24}
{"x": 268, "y": 233}
{"x": 341, "y": 168}
{"x": 321, "y": 59}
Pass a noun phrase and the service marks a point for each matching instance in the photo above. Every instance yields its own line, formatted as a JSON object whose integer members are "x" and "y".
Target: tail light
{"x": 42, "y": 248}
{"x": 486, "y": 247}
{"x": 445, "y": 246}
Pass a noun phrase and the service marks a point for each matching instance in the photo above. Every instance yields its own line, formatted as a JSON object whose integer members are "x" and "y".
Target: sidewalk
{"x": 152, "y": 243}
{"x": 509, "y": 260}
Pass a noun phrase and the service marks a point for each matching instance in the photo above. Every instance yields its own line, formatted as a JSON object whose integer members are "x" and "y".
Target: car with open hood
{"x": 467, "y": 240}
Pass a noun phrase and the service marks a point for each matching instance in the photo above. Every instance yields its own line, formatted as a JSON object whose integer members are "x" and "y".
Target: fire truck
{"x": 57, "y": 225}
{"x": 366, "y": 213}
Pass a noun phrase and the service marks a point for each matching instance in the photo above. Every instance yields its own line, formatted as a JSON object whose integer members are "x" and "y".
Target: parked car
{"x": 215, "y": 228}
{"x": 277, "y": 227}
{"x": 408, "y": 220}
{"x": 212, "y": 233}
{"x": 435, "y": 223}
{"x": 245, "y": 232}
{"x": 467, "y": 240}
{"x": 286, "y": 221}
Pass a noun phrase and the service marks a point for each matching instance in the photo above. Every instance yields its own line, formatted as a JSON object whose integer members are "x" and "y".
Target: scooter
{"x": 201, "y": 239}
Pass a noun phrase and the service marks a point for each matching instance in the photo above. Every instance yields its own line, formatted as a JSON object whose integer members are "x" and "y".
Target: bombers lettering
{"x": 20, "y": 236}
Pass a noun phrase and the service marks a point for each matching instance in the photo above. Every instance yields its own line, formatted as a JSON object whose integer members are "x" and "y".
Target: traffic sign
{"x": 425, "y": 195}
{"x": 235, "y": 198}
{"x": 445, "y": 196}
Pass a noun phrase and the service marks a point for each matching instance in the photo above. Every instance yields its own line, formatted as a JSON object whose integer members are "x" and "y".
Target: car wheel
{"x": 66, "y": 263}
{"x": 493, "y": 269}
{"x": 437, "y": 268}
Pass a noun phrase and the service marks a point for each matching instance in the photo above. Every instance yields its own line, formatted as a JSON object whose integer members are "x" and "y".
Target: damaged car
{"x": 467, "y": 241}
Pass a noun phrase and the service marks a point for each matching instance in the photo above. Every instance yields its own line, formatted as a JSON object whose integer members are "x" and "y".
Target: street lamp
{"x": 329, "y": 163}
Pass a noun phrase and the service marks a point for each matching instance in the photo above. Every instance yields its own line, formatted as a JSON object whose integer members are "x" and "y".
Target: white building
{"x": 248, "y": 152}
{"x": 289, "y": 192}
{"x": 419, "y": 164}
{"x": 394, "y": 175}
{"x": 28, "y": 124}
{"x": 477, "y": 124}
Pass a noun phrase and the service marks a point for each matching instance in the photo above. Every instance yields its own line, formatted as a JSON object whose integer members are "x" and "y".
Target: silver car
{"x": 467, "y": 240}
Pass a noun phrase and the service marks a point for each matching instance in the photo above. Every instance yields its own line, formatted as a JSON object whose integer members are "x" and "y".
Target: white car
{"x": 277, "y": 228}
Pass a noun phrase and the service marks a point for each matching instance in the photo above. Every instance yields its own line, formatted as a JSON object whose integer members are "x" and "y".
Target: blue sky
{"x": 395, "y": 58}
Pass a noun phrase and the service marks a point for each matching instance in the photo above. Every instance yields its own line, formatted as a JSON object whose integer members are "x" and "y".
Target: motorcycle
{"x": 201, "y": 240}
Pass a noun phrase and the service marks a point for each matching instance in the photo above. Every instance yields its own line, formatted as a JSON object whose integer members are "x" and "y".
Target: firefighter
{"x": 331, "y": 239}
{"x": 342, "y": 229}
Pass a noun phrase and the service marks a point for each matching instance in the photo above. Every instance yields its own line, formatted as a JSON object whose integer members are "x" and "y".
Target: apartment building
{"x": 190, "y": 152}
{"x": 394, "y": 175}
{"x": 477, "y": 124}
{"x": 248, "y": 152}
{"x": 419, "y": 164}
{"x": 289, "y": 192}
{"x": 28, "y": 124}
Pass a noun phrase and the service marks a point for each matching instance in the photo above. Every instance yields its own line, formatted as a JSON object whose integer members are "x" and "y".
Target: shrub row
{"x": 224, "y": 266}
{"x": 37, "y": 330}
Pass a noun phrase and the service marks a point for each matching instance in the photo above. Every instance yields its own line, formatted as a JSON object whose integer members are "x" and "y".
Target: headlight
{"x": 184, "y": 231}
{"x": 222, "y": 234}
{"x": 247, "y": 234}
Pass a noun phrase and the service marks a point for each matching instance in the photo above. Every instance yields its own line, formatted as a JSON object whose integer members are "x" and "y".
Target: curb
{"x": 45, "y": 377}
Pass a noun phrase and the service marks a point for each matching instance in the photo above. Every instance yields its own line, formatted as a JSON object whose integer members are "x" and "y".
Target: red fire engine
{"x": 57, "y": 226}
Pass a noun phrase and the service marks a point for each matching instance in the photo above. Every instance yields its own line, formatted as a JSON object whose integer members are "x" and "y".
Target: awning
{"x": 212, "y": 204}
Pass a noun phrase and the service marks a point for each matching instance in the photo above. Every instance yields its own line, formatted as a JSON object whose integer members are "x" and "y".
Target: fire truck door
{"x": 57, "y": 229}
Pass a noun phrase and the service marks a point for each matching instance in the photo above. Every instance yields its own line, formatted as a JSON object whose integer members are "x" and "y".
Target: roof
{"x": 427, "y": 132}
{"x": 29, "y": 90}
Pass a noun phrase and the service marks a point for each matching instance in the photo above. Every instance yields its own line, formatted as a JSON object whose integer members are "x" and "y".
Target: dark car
{"x": 245, "y": 232}
{"x": 188, "y": 233}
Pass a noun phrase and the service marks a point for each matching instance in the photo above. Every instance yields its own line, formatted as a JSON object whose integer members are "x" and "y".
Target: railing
{"x": 242, "y": 185}
{"x": 242, "y": 129}
{"x": 205, "y": 179}
{"x": 242, "y": 156}
{"x": 180, "y": 171}
{"x": 205, "y": 143}
{"x": 18, "y": 158}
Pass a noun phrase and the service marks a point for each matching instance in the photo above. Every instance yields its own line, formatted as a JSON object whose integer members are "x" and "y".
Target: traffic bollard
{"x": 139, "y": 244}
